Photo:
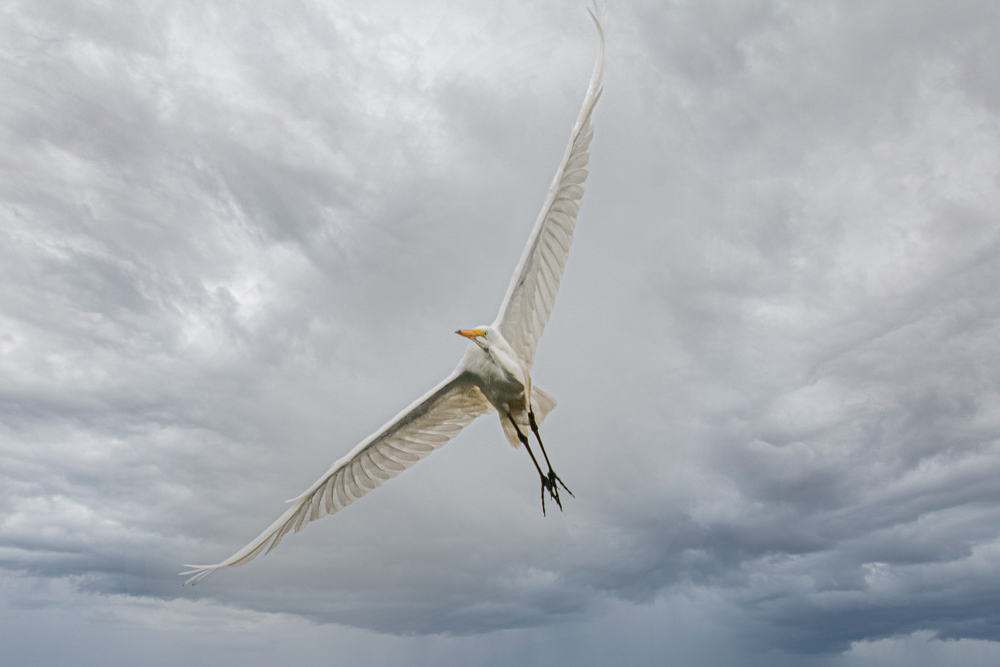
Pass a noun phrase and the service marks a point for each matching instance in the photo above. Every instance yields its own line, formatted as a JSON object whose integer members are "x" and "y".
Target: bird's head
{"x": 480, "y": 335}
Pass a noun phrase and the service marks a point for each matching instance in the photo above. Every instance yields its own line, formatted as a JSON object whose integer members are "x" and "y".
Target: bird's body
{"x": 496, "y": 369}
{"x": 499, "y": 374}
{"x": 494, "y": 373}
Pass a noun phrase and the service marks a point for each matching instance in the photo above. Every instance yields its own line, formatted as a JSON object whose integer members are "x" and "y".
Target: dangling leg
{"x": 553, "y": 477}
{"x": 547, "y": 483}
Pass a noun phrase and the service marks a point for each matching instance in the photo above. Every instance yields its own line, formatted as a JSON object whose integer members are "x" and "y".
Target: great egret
{"x": 494, "y": 374}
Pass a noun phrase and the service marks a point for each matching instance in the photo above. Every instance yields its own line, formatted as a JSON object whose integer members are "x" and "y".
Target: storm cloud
{"x": 236, "y": 239}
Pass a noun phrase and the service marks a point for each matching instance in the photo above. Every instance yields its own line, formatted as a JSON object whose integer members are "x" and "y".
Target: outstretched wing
{"x": 532, "y": 293}
{"x": 412, "y": 435}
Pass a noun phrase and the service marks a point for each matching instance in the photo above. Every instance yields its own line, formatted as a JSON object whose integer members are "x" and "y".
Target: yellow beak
{"x": 471, "y": 333}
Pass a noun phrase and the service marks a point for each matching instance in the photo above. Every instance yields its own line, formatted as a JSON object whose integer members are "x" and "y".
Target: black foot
{"x": 553, "y": 478}
{"x": 549, "y": 484}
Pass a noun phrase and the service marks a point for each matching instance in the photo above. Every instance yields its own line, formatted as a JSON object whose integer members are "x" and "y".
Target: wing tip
{"x": 199, "y": 572}
{"x": 597, "y": 21}
{"x": 596, "y": 86}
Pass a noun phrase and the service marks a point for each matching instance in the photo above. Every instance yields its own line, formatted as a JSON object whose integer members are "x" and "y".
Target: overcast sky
{"x": 235, "y": 239}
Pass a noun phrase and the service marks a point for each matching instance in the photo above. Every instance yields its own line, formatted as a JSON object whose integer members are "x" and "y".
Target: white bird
{"x": 494, "y": 374}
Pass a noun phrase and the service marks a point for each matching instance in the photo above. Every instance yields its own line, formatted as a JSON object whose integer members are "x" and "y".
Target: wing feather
{"x": 532, "y": 292}
{"x": 412, "y": 435}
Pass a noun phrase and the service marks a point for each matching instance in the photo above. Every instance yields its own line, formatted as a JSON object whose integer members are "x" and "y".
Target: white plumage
{"x": 494, "y": 374}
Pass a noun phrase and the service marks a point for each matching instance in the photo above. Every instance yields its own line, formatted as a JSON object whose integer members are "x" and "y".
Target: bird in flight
{"x": 494, "y": 374}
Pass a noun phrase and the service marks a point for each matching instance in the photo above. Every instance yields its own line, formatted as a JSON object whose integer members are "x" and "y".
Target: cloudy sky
{"x": 237, "y": 238}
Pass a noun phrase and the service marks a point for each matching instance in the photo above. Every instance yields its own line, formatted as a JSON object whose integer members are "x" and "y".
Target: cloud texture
{"x": 236, "y": 240}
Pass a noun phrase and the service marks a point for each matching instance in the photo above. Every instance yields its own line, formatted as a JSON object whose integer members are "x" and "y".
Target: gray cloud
{"x": 236, "y": 241}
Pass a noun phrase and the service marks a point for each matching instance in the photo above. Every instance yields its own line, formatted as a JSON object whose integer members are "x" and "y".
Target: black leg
{"x": 553, "y": 477}
{"x": 547, "y": 483}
